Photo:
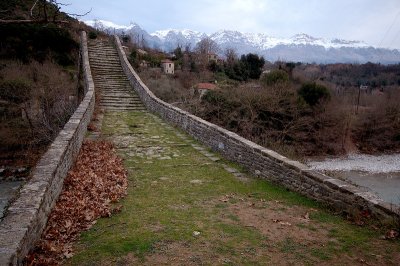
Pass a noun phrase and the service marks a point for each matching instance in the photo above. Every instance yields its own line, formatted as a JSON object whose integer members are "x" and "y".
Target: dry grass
{"x": 34, "y": 114}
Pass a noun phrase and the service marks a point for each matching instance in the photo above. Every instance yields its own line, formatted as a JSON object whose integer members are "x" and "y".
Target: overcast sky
{"x": 377, "y": 22}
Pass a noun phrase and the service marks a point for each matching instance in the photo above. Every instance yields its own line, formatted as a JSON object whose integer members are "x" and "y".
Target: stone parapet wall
{"x": 260, "y": 161}
{"x": 27, "y": 216}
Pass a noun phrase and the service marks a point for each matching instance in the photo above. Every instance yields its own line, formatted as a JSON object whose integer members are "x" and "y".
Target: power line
{"x": 395, "y": 38}
{"x": 389, "y": 29}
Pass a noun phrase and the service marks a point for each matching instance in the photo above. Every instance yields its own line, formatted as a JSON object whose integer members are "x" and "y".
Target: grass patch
{"x": 174, "y": 191}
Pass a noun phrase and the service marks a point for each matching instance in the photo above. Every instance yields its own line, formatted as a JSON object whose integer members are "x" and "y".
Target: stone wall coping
{"x": 26, "y": 217}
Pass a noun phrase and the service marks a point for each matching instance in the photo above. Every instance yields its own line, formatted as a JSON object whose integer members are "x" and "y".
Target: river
{"x": 8, "y": 190}
{"x": 381, "y": 174}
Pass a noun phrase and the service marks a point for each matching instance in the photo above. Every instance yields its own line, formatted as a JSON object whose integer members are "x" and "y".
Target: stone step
{"x": 112, "y": 92}
{"x": 126, "y": 109}
{"x": 122, "y": 101}
{"x": 111, "y": 57}
{"x": 125, "y": 101}
{"x": 124, "y": 88}
{"x": 113, "y": 105}
{"x": 105, "y": 67}
{"x": 98, "y": 47}
{"x": 114, "y": 60}
{"x": 116, "y": 70}
{"x": 104, "y": 63}
{"x": 113, "y": 96}
{"x": 121, "y": 106}
{"x": 111, "y": 73}
{"x": 110, "y": 79}
{"x": 105, "y": 53}
{"x": 103, "y": 56}
{"x": 110, "y": 76}
{"x": 107, "y": 57}
{"x": 109, "y": 83}
{"x": 124, "y": 94}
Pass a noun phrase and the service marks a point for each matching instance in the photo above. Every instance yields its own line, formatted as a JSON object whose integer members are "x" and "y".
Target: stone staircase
{"x": 110, "y": 81}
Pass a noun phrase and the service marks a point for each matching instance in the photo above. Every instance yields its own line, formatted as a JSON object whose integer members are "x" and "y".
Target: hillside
{"x": 300, "y": 110}
{"x": 39, "y": 81}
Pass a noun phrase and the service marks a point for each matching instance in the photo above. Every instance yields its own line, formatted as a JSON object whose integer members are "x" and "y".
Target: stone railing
{"x": 260, "y": 161}
{"x": 27, "y": 216}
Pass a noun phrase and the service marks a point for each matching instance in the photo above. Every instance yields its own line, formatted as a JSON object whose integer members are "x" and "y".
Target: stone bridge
{"x": 155, "y": 136}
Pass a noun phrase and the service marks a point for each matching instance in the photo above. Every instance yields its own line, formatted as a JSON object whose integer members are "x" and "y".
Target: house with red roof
{"x": 202, "y": 88}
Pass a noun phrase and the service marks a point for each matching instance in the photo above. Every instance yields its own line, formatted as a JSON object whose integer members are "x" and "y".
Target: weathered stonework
{"x": 27, "y": 216}
{"x": 260, "y": 161}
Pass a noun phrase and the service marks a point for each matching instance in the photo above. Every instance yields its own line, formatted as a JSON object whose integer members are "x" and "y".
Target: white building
{"x": 167, "y": 66}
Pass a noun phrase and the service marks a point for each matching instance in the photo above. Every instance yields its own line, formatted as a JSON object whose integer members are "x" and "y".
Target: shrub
{"x": 313, "y": 93}
{"x": 126, "y": 38}
{"x": 275, "y": 77}
{"x": 214, "y": 97}
{"x": 16, "y": 91}
{"x": 92, "y": 35}
{"x": 30, "y": 41}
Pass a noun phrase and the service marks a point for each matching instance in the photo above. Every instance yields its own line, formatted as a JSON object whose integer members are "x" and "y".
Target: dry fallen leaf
{"x": 392, "y": 234}
{"x": 97, "y": 179}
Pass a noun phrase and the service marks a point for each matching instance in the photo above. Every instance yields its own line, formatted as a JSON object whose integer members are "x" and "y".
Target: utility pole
{"x": 358, "y": 99}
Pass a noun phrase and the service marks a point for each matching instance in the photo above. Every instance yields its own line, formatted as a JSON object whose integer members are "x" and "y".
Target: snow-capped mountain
{"x": 102, "y": 24}
{"x": 172, "y": 38}
{"x": 300, "y": 47}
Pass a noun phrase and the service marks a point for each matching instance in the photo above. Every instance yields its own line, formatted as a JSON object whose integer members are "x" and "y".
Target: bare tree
{"x": 231, "y": 56}
{"x": 44, "y": 11}
{"x": 203, "y": 49}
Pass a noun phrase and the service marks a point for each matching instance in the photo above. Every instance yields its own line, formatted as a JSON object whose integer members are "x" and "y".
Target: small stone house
{"x": 212, "y": 57}
{"x": 141, "y": 52}
{"x": 167, "y": 66}
{"x": 144, "y": 64}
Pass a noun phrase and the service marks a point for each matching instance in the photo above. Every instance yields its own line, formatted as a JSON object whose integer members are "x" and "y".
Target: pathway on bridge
{"x": 187, "y": 206}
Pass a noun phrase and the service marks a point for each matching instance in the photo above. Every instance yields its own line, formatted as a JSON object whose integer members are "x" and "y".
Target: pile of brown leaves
{"x": 97, "y": 179}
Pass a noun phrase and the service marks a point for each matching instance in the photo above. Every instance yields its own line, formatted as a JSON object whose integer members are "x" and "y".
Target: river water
{"x": 381, "y": 174}
{"x": 8, "y": 190}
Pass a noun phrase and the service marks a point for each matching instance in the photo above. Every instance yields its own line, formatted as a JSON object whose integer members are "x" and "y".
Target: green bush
{"x": 275, "y": 77}
{"x": 92, "y": 35}
{"x": 126, "y": 38}
{"x": 214, "y": 97}
{"x": 313, "y": 93}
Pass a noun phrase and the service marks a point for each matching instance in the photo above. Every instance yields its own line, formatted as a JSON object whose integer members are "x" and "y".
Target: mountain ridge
{"x": 300, "y": 47}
